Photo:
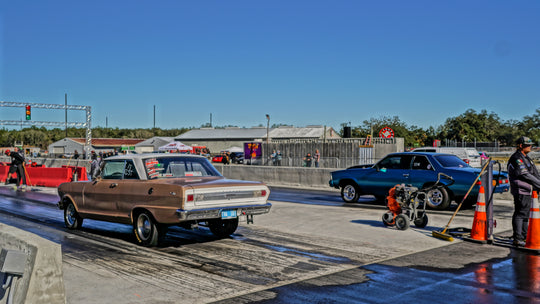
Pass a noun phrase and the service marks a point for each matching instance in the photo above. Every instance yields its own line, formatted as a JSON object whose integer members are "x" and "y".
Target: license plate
{"x": 225, "y": 214}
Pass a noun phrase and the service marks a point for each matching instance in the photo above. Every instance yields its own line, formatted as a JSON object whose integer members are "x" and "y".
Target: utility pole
{"x": 66, "y": 114}
{"x": 267, "y": 128}
{"x": 154, "y": 116}
{"x": 210, "y": 120}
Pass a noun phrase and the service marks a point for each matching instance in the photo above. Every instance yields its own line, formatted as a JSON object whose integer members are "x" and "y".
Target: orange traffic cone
{"x": 479, "y": 227}
{"x": 533, "y": 232}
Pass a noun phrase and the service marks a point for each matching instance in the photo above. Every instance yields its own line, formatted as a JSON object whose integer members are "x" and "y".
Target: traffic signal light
{"x": 28, "y": 113}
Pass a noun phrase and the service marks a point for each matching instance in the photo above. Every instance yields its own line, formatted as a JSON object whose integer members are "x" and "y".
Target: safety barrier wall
{"x": 42, "y": 280}
{"x": 48, "y": 177}
{"x": 280, "y": 176}
{"x": 42, "y": 176}
{"x": 79, "y": 172}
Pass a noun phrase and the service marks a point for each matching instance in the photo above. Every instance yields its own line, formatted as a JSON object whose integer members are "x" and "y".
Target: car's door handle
{"x": 113, "y": 185}
{"x": 406, "y": 175}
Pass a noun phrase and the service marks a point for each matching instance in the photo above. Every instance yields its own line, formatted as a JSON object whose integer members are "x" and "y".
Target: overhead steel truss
{"x": 87, "y": 124}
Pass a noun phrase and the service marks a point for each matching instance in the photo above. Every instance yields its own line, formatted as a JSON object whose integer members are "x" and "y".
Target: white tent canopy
{"x": 176, "y": 145}
{"x": 234, "y": 149}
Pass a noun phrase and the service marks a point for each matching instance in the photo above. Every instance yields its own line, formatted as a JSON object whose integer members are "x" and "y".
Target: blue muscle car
{"x": 418, "y": 169}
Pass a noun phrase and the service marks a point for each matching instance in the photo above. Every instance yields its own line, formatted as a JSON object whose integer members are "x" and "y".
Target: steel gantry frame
{"x": 87, "y": 124}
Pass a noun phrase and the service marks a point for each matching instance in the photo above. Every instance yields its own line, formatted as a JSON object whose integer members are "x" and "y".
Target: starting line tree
{"x": 28, "y": 122}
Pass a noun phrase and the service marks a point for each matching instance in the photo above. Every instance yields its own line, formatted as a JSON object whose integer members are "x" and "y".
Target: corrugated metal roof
{"x": 228, "y": 133}
{"x": 246, "y": 133}
{"x": 109, "y": 142}
{"x": 307, "y": 132}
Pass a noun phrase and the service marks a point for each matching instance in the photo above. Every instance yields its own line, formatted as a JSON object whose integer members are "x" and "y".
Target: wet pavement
{"x": 292, "y": 264}
{"x": 411, "y": 279}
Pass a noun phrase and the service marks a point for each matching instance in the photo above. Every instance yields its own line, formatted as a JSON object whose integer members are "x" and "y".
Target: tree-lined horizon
{"x": 469, "y": 126}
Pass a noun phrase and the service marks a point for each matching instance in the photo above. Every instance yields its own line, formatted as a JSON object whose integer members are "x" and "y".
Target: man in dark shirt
{"x": 17, "y": 166}
{"x": 524, "y": 179}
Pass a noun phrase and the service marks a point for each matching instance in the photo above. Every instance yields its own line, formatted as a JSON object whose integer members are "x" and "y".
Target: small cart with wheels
{"x": 407, "y": 204}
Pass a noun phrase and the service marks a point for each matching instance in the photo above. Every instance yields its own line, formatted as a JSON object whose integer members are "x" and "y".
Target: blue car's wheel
{"x": 437, "y": 198}
{"x": 349, "y": 193}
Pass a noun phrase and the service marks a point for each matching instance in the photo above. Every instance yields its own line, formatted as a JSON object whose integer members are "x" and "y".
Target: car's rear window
{"x": 171, "y": 167}
{"x": 450, "y": 161}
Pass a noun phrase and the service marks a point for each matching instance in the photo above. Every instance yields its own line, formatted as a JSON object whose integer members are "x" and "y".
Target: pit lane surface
{"x": 321, "y": 240}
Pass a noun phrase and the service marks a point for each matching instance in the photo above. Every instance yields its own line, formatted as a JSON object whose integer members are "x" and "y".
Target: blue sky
{"x": 302, "y": 62}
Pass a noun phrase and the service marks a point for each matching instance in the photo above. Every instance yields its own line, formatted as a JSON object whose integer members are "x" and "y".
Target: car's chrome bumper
{"x": 210, "y": 213}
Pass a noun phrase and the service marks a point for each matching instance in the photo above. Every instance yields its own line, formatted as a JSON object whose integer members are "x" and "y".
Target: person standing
{"x": 279, "y": 157}
{"x": 273, "y": 157}
{"x": 317, "y": 158}
{"x": 308, "y": 159}
{"x": 524, "y": 179}
{"x": 94, "y": 166}
{"x": 16, "y": 166}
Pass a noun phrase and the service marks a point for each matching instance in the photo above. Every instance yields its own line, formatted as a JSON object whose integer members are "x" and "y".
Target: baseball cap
{"x": 524, "y": 140}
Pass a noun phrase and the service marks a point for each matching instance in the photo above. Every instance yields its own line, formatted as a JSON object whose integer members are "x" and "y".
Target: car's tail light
{"x": 466, "y": 160}
{"x": 479, "y": 183}
{"x": 263, "y": 193}
{"x": 190, "y": 198}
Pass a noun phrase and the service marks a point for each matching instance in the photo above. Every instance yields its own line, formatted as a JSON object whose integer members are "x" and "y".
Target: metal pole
{"x": 154, "y": 116}
{"x": 66, "y": 115}
{"x": 267, "y": 128}
{"x": 489, "y": 188}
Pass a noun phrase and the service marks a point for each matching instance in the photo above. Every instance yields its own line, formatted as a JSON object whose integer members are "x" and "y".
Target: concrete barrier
{"x": 42, "y": 280}
{"x": 280, "y": 176}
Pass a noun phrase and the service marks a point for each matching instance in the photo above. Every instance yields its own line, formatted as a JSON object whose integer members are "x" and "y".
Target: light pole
{"x": 267, "y": 128}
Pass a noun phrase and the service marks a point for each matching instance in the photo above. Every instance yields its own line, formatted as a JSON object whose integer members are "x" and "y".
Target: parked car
{"x": 418, "y": 169}
{"x": 237, "y": 157}
{"x": 468, "y": 155}
{"x": 154, "y": 191}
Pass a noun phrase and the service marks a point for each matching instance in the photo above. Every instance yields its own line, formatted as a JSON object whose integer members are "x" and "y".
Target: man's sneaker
{"x": 519, "y": 243}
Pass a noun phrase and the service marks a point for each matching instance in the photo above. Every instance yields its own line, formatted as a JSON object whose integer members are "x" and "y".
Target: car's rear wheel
{"x": 145, "y": 229}
{"x": 349, "y": 193}
{"x": 72, "y": 219}
{"x": 438, "y": 198}
{"x": 469, "y": 202}
{"x": 223, "y": 228}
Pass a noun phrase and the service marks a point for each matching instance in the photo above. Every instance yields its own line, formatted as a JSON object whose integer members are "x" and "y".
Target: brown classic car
{"x": 154, "y": 191}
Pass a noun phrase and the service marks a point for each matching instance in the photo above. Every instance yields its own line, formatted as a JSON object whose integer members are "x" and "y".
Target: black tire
{"x": 145, "y": 229}
{"x": 350, "y": 193}
{"x": 438, "y": 199}
{"x": 402, "y": 222}
{"x": 421, "y": 221}
{"x": 469, "y": 202}
{"x": 72, "y": 219}
{"x": 388, "y": 219}
{"x": 223, "y": 228}
{"x": 380, "y": 199}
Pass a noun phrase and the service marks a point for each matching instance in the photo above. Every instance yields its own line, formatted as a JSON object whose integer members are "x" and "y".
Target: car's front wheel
{"x": 72, "y": 219}
{"x": 145, "y": 229}
{"x": 437, "y": 198}
{"x": 349, "y": 193}
{"x": 223, "y": 228}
